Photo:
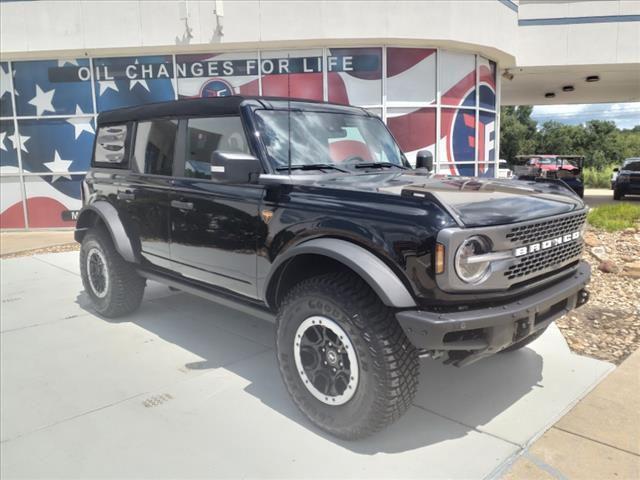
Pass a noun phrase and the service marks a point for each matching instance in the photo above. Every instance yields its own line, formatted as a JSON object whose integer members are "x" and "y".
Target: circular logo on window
{"x": 216, "y": 88}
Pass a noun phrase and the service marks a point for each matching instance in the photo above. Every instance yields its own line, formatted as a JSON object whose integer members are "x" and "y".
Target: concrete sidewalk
{"x": 186, "y": 388}
{"x": 17, "y": 242}
{"x": 599, "y": 438}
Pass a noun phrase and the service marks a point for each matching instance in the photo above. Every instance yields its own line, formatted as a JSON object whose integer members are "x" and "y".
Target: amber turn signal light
{"x": 439, "y": 258}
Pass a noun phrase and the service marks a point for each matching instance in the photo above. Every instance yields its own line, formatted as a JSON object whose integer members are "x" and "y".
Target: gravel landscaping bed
{"x": 66, "y": 247}
{"x": 608, "y": 327}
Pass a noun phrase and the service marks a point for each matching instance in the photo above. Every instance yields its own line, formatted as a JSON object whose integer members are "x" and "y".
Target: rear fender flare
{"x": 109, "y": 216}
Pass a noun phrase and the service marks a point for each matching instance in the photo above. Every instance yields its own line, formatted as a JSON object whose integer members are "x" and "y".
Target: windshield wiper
{"x": 313, "y": 166}
{"x": 379, "y": 165}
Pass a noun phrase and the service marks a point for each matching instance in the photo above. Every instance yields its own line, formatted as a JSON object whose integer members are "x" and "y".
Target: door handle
{"x": 126, "y": 196}
{"x": 182, "y": 205}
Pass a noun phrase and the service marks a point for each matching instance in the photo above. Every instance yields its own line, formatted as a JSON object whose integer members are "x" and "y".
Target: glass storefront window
{"x": 292, "y": 73}
{"x": 411, "y": 75}
{"x": 51, "y": 154}
{"x": 457, "y": 144}
{"x": 486, "y": 170}
{"x": 8, "y": 142}
{"x": 414, "y": 129}
{"x": 458, "y": 78}
{"x": 51, "y": 199}
{"x": 487, "y": 79}
{"x": 486, "y": 137}
{"x": 126, "y": 81}
{"x": 355, "y": 76}
{"x": 11, "y": 209}
{"x": 53, "y": 87}
{"x": 58, "y": 145}
{"x": 6, "y": 109}
{"x": 217, "y": 74}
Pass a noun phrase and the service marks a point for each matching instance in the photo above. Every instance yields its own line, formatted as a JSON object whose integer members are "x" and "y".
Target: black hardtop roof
{"x": 216, "y": 106}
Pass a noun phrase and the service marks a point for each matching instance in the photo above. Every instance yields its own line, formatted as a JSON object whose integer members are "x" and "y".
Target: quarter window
{"x": 111, "y": 146}
{"x": 207, "y": 135}
{"x": 155, "y": 146}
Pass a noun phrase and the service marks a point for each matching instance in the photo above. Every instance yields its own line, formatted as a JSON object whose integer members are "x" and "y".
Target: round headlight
{"x": 469, "y": 269}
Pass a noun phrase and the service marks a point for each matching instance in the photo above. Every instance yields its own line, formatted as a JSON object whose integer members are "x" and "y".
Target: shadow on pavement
{"x": 479, "y": 392}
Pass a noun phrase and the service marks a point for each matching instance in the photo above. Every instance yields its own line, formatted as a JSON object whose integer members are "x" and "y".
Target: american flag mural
{"x": 217, "y": 74}
{"x": 48, "y": 108}
{"x": 411, "y": 77}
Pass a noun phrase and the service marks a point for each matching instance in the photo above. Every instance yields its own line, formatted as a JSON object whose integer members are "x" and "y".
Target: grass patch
{"x": 614, "y": 217}
{"x": 594, "y": 178}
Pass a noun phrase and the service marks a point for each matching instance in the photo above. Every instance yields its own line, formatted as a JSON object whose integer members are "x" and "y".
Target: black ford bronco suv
{"x": 310, "y": 212}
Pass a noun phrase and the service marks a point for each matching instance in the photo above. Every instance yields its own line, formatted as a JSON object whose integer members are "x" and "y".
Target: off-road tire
{"x": 388, "y": 362}
{"x": 524, "y": 342}
{"x": 617, "y": 195}
{"x": 125, "y": 287}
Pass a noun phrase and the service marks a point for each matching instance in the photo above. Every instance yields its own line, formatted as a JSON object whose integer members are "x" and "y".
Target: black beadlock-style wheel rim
{"x": 97, "y": 272}
{"x": 326, "y": 360}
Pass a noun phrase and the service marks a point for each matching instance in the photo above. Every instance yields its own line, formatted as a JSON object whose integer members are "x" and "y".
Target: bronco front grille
{"x": 544, "y": 260}
{"x": 544, "y": 230}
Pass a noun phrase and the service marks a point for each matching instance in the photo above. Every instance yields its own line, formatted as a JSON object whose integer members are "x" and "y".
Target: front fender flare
{"x": 109, "y": 215}
{"x": 369, "y": 267}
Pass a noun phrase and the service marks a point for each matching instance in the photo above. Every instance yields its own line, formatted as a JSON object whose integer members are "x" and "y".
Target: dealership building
{"x": 436, "y": 72}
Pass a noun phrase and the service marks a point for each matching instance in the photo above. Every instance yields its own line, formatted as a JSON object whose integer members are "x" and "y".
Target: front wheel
{"x": 617, "y": 195}
{"x": 344, "y": 359}
{"x": 113, "y": 285}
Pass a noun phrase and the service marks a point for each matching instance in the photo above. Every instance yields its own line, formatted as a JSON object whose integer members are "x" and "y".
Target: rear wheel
{"x": 113, "y": 285}
{"x": 343, "y": 357}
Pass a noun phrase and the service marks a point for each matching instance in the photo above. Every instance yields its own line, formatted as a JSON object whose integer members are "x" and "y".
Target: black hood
{"x": 472, "y": 201}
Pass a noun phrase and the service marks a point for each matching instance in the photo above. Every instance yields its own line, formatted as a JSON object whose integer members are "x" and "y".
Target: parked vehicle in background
{"x": 503, "y": 169}
{"x": 310, "y": 213}
{"x": 628, "y": 180}
{"x": 564, "y": 168}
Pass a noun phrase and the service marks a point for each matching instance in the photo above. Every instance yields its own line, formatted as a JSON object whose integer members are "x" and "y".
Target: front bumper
{"x": 475, "y": 334}
{"x": 628, "y": 188}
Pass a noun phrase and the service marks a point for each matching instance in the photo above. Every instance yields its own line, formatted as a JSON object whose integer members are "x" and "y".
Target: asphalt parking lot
{"x": 187, "y": 388}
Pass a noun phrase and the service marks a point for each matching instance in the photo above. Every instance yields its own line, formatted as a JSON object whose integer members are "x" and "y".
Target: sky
{"x": 626, "y": 115}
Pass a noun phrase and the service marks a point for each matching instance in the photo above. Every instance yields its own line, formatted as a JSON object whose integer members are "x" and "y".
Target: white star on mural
{"x": 133, "y": 83}
{"x": 59, "y": 165}
{"x": 62, "y": 63}
{"x": 21, "y": 139}
{"x": 42, "y": 101}
{"x": 2, "y": 135}
{"x": 5, "y": 82}
{"x": 107, "y": 84}
{"x": 82, "y": 124}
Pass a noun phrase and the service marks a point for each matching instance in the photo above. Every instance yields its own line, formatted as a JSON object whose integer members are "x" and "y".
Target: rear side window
{"x": 154, "y": 147}
{"x": 207, "y": 135}
{"x": 112, "y": 146}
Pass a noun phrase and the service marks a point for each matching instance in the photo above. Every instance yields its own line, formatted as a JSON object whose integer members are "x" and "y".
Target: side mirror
{"x": 235, "y": 167}
{"x": 616, "y": 169}
{"x": 424, "y": 159}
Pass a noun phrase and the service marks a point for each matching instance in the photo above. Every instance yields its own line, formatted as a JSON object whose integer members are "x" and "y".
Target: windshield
{"x": 319, "y": 138}
{"x": 556, "y": 161}
{"x": 632, "y": 166}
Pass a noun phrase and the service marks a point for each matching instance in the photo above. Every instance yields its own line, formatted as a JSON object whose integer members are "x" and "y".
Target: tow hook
{"x": 583, "y": 297}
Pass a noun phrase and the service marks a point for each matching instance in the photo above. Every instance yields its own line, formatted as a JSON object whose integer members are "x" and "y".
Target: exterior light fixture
{"x": 568, "y": 88}
{"x": 549, "y": 95}
{"x": 507, "y": 74}
{"x": 593, "y": 78}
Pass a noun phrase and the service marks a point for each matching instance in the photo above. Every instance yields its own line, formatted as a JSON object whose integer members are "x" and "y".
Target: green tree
{"x": 601, "y": 142}
{"x": 517, "y": 132}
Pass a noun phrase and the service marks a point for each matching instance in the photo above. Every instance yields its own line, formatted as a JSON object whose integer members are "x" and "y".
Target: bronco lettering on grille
{"x": 536, "y": 247}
